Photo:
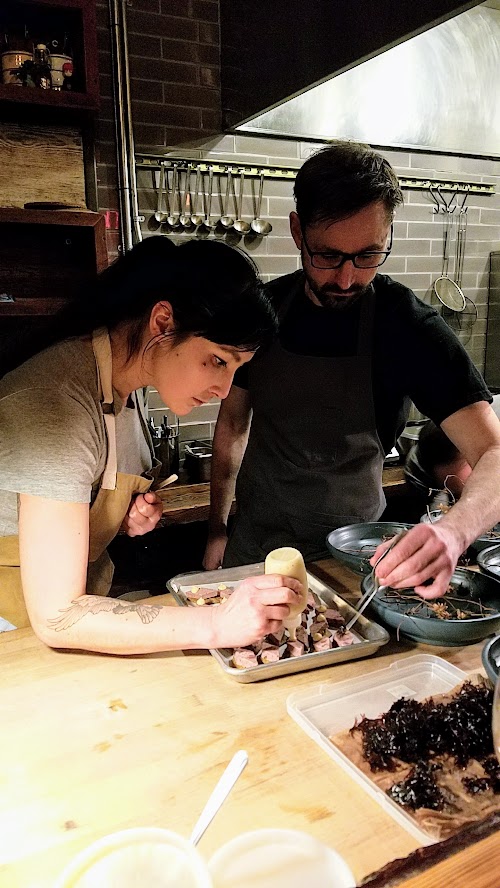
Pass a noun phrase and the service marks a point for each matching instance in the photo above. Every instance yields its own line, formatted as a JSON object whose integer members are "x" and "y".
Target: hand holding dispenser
{"x": 288, "y": 562}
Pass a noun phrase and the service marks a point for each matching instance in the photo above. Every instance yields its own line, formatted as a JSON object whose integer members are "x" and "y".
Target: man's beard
{"x": 331, "y": 296}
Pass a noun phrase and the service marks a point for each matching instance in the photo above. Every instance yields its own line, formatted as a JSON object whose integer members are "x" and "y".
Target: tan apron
{"x": 106, "y": 514}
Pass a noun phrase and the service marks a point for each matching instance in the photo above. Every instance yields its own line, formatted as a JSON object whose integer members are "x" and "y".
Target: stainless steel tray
{"x": 371, "y": 635}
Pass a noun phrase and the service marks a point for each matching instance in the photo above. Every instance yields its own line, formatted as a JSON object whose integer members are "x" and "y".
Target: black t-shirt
{"x": 416, "y": 357}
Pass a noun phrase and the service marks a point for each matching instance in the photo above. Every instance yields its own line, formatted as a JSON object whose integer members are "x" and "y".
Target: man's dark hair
{"x": 341, "y": 179}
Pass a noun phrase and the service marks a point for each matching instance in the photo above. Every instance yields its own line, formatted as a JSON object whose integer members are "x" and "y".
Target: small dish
{"x": 278, "y": 857}
{"x": 471, "y": 587}
{"x": 355, "y": 544}
{"x": 490, "y": 656}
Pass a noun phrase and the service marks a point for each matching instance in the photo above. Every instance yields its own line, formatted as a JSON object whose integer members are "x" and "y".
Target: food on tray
{"x": 289, "y": 562}
{"x": 320, "y": 628}
{"x": 201, "y": 595}
{"x": 433, "y": 758}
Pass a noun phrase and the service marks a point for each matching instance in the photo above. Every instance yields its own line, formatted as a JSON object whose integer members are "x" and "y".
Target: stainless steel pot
{"x": 198, "y": 460}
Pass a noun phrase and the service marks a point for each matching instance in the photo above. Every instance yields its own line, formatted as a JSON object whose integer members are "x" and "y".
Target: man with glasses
{"x": 306, "y": 425}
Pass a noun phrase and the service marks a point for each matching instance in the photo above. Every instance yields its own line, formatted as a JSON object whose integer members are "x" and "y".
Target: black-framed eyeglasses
{"x": 335, "y": 258}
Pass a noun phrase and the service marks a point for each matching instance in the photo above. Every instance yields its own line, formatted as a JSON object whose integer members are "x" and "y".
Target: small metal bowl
{"x": 490, "y": 656}
{"x": 355, "y": 544}
{"x": 489, "y": 562}
{"x": 426, "y": 627}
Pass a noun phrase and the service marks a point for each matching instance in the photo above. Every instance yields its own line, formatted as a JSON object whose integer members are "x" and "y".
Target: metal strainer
{"x": 446, "y": 289}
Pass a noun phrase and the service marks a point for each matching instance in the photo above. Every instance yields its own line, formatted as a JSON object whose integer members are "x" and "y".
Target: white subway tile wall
{"x": 416, "y": 259}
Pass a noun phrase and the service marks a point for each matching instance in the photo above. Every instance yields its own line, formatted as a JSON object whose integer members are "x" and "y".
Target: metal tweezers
{"x": 364, "y": 601}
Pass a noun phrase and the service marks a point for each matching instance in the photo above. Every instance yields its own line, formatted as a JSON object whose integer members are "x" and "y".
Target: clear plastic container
{"x": 325, "y": 709}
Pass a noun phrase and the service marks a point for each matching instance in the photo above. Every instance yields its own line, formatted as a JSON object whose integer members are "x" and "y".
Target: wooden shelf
{"x": 30, "y": 307}
{"x": 85, "y": 218}
{"x": 47, "y": 258}
{"x": 78, "y": 18}
{"x": 32, "y": 96}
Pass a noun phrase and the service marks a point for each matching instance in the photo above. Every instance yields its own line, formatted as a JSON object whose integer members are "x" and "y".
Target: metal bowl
{"x": 355, "y": 544}
{"x": 489, "y": 562}
{"x": 490, "y": 656}
{"x": 426, "y": 627}
{"x": 482, "y": 542}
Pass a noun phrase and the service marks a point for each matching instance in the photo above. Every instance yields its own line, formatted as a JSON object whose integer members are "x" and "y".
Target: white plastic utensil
{"x": 235, "y": 767}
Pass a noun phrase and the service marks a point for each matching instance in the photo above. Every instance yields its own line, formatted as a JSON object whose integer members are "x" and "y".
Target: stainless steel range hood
{"x": 437, "y": 91}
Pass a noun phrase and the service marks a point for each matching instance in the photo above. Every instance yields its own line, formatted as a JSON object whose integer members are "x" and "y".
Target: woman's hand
{"x": 143, "y": 515}
{"x": 256, "y": 608}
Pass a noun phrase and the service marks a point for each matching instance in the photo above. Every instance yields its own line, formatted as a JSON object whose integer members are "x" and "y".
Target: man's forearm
{"x": 478, "y": 509}
{"x": 228, "y": 451}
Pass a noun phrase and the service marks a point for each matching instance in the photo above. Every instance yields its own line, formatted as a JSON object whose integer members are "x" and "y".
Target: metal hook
{"x": 437, "y": 208}
{"x": 447, "y": 205}
{"x": 463, "y": 208}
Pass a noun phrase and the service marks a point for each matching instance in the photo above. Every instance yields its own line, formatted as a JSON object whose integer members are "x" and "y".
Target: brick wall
{"x": 174, "y": 67}
{"x": 174, "y": 82}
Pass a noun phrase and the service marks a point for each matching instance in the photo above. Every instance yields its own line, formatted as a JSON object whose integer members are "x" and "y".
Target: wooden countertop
{"x": 91, "y": 744}
{"x": 184, "y": 502}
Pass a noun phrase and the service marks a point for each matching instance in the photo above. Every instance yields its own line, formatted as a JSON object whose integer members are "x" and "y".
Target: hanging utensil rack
{"x": 221, "y": 167}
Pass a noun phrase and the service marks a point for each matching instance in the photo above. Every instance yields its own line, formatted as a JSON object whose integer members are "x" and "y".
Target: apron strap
{"x": 366, "y": 319}
{"x": 102, "y": 351}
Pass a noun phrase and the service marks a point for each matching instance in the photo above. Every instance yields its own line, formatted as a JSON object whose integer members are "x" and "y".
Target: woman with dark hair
{"x": 77, "y": 462}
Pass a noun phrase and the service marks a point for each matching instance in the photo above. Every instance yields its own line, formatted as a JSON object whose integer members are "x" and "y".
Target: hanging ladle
{"x": 207, "y": 224}
{"x": 260, "y": 226}
{"x": 226, "y": 220}
{"x": 186, "y": 215}
{"x": 197, "y": 218}
{"x": 173, "y": 218}
{"x": 240, "y": 225}
{"x": 160, "y": 214}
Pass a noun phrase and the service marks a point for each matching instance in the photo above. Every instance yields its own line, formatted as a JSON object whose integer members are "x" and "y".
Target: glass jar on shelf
{"x": 61, "y": 62}
{"x": 17, "y": 48}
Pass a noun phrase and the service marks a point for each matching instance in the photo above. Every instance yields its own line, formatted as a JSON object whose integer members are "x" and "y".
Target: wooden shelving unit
{"x": 74, "y": 16}
{"x": 50, "y": 257}
{"x": 46, "y": 256}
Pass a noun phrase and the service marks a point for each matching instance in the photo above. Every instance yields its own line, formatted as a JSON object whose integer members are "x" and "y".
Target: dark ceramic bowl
{"x": 355, "y": 544}
{"x": 473, "y": 588}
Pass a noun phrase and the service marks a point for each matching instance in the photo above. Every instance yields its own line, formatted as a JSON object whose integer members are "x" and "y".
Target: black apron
{"x": 314, "y": 458}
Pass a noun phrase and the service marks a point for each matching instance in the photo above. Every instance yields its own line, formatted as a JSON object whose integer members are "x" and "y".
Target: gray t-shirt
{"x": 52, "y": 435}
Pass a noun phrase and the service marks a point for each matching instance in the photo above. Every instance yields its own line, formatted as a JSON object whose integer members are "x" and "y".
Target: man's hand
{"x": 143, "y": 515}
{"x": 426, "y": 552}
{"x": 214, "y": 552}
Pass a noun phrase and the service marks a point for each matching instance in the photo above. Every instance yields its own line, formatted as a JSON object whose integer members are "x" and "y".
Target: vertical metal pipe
{"x": 134, "y": 204}
{"x": 127, "y": 188}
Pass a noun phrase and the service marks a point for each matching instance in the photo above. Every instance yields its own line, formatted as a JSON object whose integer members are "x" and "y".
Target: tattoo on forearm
{"x": 78, "y": 609}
